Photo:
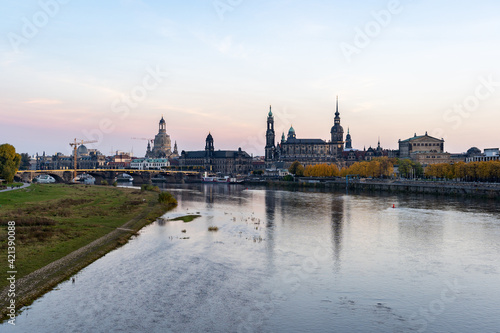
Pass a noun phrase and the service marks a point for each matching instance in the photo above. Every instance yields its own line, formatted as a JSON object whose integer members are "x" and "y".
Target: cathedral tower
{"x": 337, "y": 133}
{"x": 209, "y": 145}
{"x": 270, "y": 135}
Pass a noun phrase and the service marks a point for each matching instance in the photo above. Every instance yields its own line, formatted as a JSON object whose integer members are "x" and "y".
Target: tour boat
{"x": 85, "y": 178}
{"x": 225, "y": 179}
{"x": 44, "y": 179}
{"x": 159, "y": 179}
{"x": 124, "y": 177}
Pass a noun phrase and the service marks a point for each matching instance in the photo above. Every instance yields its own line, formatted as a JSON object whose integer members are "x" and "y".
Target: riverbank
{"x": 56, "y": 235}
{"x": 454, "y": 189}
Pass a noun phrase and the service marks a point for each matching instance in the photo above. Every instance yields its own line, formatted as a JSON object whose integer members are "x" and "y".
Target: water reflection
{"x": 337, "y": 226}
{"x": 289, "y": 262}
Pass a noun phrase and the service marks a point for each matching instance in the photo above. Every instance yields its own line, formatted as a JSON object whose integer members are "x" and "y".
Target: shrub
{"x": 167, "y": 199}
{"x": 213, "y": 228}
{"x": 288, "y": 178}
{"x": 149, "y": 187}
{"x": 104, "y": 182}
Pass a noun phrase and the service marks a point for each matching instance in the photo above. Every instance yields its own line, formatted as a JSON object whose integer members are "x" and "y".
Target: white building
{"x": 149, "y": 163}
{"x": 490, "y": 154}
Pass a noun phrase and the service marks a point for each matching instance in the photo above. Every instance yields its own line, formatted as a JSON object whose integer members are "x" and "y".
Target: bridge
{"x": 140, "y": 176}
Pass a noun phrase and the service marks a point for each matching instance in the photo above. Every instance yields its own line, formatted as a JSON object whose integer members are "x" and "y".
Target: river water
{"x": 290, "y": 261}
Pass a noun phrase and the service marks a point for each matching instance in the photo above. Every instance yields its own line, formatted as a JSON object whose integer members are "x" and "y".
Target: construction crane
{"x": 75, "y": 144}
{"x": 151, "y": 140}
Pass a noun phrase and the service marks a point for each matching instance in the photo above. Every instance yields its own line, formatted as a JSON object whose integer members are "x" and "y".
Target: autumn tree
{"x": 322, "y": 170}
{"x": 9, "y": 162}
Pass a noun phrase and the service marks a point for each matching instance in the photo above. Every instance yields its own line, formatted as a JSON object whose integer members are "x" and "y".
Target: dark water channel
{"x": 286, "y": 261}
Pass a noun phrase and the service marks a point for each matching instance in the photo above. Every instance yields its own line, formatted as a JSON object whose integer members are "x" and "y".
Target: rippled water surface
{"x": 286, "y": 261}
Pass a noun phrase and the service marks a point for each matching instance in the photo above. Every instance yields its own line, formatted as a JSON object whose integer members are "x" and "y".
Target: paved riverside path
{"x": 9, "y": 188}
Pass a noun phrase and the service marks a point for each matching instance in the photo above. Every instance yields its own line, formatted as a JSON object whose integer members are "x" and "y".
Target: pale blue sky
{"x": 226, "y": 68}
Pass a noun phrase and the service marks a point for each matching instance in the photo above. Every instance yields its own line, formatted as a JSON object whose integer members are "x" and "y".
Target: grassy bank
{"x": 53, "y": 221}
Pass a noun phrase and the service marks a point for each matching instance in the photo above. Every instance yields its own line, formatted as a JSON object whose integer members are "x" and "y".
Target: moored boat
{"x": 124, "y": 177}
{"x": 84, "y": 178}
{"x": 44, "y": 179}
{"x": 223, "y": 179}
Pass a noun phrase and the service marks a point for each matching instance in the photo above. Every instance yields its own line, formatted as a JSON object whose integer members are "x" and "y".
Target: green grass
{"x": 187, "y": 218}
{"x": 52, "y": 220}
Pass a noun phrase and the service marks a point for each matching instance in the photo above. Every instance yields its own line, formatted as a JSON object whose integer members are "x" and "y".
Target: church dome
{"x": 82, "y": 150}
{"x": 162, "y": 121}
{"x": 291, "y": 131}
{"x": 209, "y": 137}
{"x": 270, "y": 114}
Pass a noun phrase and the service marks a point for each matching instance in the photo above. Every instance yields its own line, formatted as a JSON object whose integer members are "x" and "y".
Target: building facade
{"x": 490, "y": 154}
{"x": 306, "y": 151}
{"x": 149, "y": 163}
{"x": 227, "y": 162}
{"x": 424, "y": 149}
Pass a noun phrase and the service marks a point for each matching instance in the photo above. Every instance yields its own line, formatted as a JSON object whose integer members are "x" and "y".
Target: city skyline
{"x": 109, "y": 71}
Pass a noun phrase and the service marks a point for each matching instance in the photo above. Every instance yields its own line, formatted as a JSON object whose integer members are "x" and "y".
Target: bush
{"x": 167, "y": 199}
{"x": 115, "y": 183}
{"x": 288, "y": 178}
{"x": 104, "y": 182}
{"x": 149, "y": 187}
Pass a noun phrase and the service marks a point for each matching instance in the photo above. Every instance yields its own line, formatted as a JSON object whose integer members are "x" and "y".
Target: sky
{"x": 107, "y": 71}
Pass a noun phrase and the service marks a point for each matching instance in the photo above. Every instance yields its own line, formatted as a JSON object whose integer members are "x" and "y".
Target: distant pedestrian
{"x": 73, "y": 280}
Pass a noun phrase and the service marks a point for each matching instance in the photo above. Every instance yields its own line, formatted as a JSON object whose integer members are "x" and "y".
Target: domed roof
{"x": 209, "y": 136}
{"x": 337, "y": 128}
{"x": 82, "y": 150}
{"x": 162, "y": 120}
{"x": 291, "y": 130}
{"x": 270, "y": 114}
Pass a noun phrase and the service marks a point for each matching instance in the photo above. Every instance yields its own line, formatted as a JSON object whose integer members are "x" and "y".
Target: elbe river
{"x": 290, "y": 261}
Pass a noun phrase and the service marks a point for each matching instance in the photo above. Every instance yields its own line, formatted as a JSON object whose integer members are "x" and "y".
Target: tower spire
{"x": 337, "y": 109}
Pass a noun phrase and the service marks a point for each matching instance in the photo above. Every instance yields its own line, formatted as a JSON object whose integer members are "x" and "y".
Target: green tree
{"x": 25, "y": 161}
{"x": 9, "y": 162}
{"x": 296, "y": 169}
{"x": 405, "y": 167}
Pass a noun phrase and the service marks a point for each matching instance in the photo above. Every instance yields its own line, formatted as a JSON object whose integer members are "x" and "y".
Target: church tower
{"x": 270, "y": 136}
{"x": 348, "y": 140}
{"x": 162, "y": 126}
{"x": 209, "y": 145}
{"x": 337, "y": 133}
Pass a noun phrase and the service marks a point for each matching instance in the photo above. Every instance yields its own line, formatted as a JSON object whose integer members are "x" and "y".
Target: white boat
{"x": 225, "y": 179}
{"x": 44, "y": 179}
{"x": 124, "y": 177}
{"x": 159, "y": 179}
{"x": 84, "y": 178}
